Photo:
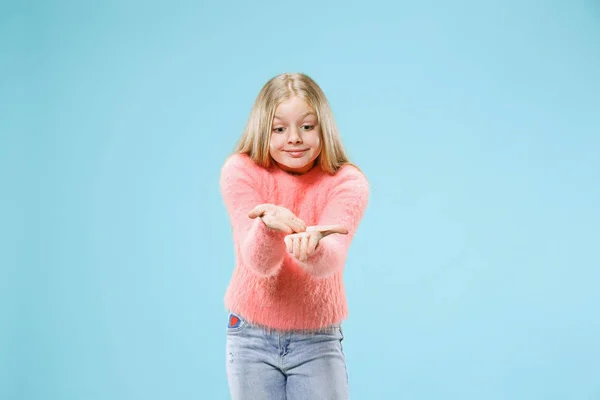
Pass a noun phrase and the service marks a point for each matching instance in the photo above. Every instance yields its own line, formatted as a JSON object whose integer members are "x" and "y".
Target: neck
{"x": 300, "y": 171}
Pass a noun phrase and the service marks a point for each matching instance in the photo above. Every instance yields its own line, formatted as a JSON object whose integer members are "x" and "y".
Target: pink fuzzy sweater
{"x": 269, "y": 286}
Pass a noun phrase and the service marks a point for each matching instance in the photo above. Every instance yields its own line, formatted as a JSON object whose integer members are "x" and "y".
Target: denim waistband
{"x": 235, "y": 320}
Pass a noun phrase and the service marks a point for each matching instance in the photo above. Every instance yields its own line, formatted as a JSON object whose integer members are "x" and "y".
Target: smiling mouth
{"x": 296, "y": 153}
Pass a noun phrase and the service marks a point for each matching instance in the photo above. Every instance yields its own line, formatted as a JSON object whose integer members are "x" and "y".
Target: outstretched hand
{"x": 303, "y": 244}
{"x": 278, "y": 218}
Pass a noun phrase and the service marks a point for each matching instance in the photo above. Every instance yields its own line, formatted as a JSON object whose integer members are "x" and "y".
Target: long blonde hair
{"x": 257, "y": 135}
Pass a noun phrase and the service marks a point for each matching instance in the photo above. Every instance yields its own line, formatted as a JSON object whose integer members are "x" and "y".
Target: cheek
{"x": 275, "y": 147}
{"x": 316, "y": 141}
{"x": 274, "y": 143}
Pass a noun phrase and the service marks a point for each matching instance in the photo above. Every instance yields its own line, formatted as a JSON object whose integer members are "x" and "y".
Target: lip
{"x": 296, "y": 153}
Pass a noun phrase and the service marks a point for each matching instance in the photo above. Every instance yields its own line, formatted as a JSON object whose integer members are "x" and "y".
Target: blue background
{"x": 475, "y": 273}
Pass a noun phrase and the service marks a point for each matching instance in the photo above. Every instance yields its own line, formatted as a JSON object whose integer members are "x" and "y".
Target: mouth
{"x": 296, "y": 153}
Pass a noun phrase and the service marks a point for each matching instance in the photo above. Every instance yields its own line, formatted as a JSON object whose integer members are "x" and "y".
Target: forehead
{"x": 293, "y": 108}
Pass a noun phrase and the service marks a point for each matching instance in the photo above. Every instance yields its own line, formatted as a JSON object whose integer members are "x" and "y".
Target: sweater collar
{"x": 310, "y": 176}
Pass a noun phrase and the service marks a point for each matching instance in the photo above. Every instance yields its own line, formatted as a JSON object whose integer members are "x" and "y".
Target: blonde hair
{"x": 257, "y": 135}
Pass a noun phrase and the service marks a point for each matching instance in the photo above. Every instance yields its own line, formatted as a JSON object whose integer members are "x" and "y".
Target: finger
{"x": 280, "y": 226}
{"x": 288, "y": 244}
{"x": 313, "y": 241}
{"x": 297, "y": 225}
{"x": 302, "y": 225}
{"x": 329, "y": 229}
{"x": 257, "y": 211}
{"x": 297, "y": 247}
{"x": 340, "y": 229}
{"x": 274, "y": 223}
{"x": 303, "y": 247}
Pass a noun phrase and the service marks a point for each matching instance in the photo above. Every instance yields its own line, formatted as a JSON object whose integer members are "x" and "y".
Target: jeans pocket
{"x": 235, "y": 323}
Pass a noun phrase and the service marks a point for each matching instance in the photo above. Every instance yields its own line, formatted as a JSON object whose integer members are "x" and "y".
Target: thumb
{"x": 257, "y": 211}
{"x": 329, "y": 229}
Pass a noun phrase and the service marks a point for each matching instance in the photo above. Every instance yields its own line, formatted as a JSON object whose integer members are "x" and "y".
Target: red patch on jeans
{"x": 233, "y": 321}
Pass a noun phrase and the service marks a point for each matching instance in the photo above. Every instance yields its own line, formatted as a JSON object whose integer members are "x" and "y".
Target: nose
{"x": 294, "y": 136}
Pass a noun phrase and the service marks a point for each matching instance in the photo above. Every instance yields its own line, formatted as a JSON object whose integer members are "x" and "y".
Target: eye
{"x": 279, "y": 129}
{"x": 308, "y": 127}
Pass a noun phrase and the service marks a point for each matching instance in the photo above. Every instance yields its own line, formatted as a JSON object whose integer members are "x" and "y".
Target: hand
{"x": 278, "y": 218}
{"x": 302, "y": 245}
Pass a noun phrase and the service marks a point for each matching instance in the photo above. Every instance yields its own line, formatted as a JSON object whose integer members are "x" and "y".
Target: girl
{"x": 294, "y": 203}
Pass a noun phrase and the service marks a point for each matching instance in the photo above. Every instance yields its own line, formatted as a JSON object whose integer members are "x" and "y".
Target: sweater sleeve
{"x": 346, "y": 205}
{"x": 261, "y": 248}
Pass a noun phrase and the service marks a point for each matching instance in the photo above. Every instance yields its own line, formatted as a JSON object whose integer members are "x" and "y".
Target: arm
{"x": 262, "y": 248}
{"x": 345, "y": 206}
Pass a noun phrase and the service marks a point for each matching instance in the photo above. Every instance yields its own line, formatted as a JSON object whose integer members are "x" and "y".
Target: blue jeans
{"x": 266, "y": 364}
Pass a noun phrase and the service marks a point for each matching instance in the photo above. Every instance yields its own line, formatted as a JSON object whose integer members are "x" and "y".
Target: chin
{"x": 296, "y": 165}
{"x": 298, "y": 162}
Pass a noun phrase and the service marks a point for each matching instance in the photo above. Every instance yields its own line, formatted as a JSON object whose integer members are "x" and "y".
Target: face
{"x": 296, "y": 136}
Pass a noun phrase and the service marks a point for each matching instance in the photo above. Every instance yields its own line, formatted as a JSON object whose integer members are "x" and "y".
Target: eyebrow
{"x": 304, "y": 116}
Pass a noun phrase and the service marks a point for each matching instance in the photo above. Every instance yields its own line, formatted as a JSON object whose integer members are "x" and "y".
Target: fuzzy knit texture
{"x": 269, "y": 287}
